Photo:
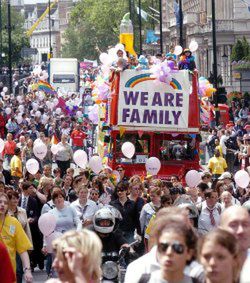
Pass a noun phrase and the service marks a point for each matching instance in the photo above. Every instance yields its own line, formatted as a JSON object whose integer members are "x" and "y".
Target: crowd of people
{"x": 186, "y": 234}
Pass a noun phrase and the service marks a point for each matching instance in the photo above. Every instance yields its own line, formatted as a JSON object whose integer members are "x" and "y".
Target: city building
{"x": 232, "y": 23}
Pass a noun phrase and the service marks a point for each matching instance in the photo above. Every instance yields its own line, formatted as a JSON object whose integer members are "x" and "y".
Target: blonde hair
{"x": 88, "y": 244}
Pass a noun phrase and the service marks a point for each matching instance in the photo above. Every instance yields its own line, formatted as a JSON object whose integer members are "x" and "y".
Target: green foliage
{"x": 241, "y": 50}
{"x": 94, "y": 27}
{"x": 18, "y": 37}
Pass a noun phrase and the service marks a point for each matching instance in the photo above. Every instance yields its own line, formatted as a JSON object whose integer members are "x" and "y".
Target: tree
{"x": 94, "y": 27}
{"x": 241, "y": 50}
{"x": 19, "y": 39}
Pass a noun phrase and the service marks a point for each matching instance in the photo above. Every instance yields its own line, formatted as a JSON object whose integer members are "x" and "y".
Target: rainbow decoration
{"x": 46, "y": 87}
{"x": 138, "y": 79}
{"x": 147, "y": 77}
{"x": 175, "y": 84}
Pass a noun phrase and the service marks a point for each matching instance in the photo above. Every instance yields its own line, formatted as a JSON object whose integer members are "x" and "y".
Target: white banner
{"x": 145, "y": 102}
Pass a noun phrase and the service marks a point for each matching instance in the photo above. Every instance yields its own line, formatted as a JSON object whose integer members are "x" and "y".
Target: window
{"x": 142, "y": 148}
{"x": 63, "y": 78}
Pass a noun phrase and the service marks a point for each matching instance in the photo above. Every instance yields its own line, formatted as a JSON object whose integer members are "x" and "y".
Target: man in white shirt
{"x": 224, "y": 137}
{"x": 236, "y": 220}
{"x": 210, "y": 211}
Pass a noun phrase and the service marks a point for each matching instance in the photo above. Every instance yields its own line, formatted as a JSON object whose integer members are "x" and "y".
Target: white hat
{"x": 225, "y": 175}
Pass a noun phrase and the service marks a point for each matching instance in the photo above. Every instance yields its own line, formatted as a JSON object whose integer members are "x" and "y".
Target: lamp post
{"x": 217, "y": 114}
{"x": 161, "y": 34}
{"x": 181, "y": 23}
{"x": 140, "y": 27}
{"x": 50, "y": 45}
{"x": 10, "y": 45}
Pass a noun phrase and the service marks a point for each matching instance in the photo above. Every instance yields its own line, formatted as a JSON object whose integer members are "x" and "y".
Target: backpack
{"x": 146, "y": 277}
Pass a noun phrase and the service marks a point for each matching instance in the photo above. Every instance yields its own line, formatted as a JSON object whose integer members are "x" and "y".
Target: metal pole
{"x": 215, "y": 62}
{"x": 1, "y": 27}
{"x": 50, "y": 46}
{"x": 181, "y": 23}
{"x": 10, "y": 46}
{"x": 140, "y": 27}
{"x": 161, "y": 34}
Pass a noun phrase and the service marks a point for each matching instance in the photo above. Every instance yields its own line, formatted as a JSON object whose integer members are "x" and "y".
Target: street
{"x": 39, "y": 276}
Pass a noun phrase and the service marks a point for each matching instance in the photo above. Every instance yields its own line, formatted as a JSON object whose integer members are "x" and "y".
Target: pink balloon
{"x": 192, "y": 178}
{"x": 95, "y": 163}
{"x": 49, "y": 240}
{"x": 242, "y": 178}
{"x": 47, "y": 223}
{"x": 128, "y": 149}
{"x": 153, "y": 165}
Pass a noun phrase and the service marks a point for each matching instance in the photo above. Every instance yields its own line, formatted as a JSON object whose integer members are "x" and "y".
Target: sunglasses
{"x": 120, "y": 170}
{"x": 176, "y": 247}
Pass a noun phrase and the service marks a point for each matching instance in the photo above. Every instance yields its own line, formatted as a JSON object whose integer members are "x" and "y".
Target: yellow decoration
{"x": 122, "y": 130}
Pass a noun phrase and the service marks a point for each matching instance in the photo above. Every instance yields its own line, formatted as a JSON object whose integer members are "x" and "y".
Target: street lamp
{"x": 50, "y": 44}
{"x": 10, "y": 45}
{"x": 181, "y": 23}
{"x": 140, "y": 27}
{"x": 217, "y": 113}
{"x": 161, "y": 34}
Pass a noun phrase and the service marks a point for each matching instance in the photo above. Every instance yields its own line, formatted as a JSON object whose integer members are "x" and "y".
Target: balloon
{"x": 81, "y": 158}
{"x": 49, "y": 240}
{"x": 79, "y": 114}
{"x": 2, "y": 94}
{"x": 117, "y": 176}
{"x": 58, "y": 111}
{"x": 128, "y": 149}
{"x": 178, "y": 50}
{"x": 1, "y": 145}
{"x": 32, "y": 166}
{"x": 21, "y": 108}
{"x": 104, "y": 58}
{"x": 95, "y": 163}
{"x": 193, "y": 46}
{"x": 8, "y": 110}
{"x": 153, "y": 165}
{"x": 35, "y": 106}
{"x": 40, "y": 150}
{"x": 5, "y": 89}
{"x": 19, "y": 98}
{"x": 38, "y": 113}
{"x": 192, "y": 178}
{"x": 54, "y": 149}
{"x": 47, "y": 223}
{"x": 119, "y": 46}
{"x": 55, "y": 101}
{"x": 242, "y": 178}
{"x": 19, "y": 119}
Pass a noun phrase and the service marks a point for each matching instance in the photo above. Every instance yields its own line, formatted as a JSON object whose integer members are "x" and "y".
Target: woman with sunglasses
{"x": 176, "y": 244}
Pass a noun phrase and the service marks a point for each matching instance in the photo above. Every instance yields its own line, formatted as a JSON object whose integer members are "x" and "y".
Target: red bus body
{"x": 150, "y": 141}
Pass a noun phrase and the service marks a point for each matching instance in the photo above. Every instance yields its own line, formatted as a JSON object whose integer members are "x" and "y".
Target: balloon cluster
{"x": 162, "y": 72}
{"x": 206, "y": 89}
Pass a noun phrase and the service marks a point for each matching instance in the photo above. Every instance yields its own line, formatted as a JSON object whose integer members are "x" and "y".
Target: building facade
{"x": 232, "y": 23}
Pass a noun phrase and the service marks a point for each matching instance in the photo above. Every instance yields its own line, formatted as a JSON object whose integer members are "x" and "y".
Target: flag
{"x": 144, "y": 15}
{"x": 46, "y": 87}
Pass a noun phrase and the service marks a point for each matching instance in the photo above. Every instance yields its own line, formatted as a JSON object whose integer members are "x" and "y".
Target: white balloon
{"x": 193, "y": 46}
{"x": 153, "y": 165}
{"x": 19, "y": 98}
{"x": 55, "y": 101}
{"x": 79, "y": 114}
{"x": 58, "y": 111}
{"x": 54, "y": 149}
{"x": 40, "y": 150}
{"x": 242, "y": 178}
{"x": 21, "y": 108}
{"x": 104, "y": 58}
{"x": 128, "y": 149}
{"x": 2, "y": 94}
{"x": 119, "y": 46}
{"x": 38, "y": 114}
{"x": 19, "y": 119}
{"x": 178, "y": 50}
{"x": 5, "y": 89}
{"x": 95, "y": 163}
{"x": 8, "y": 110}
{"x": 1, "y": 145}
{"x": 35, "y": 106}
{"x": 32, "y": 166}
{"x": 81, "y": 158}
{"x": 49, "y": 240}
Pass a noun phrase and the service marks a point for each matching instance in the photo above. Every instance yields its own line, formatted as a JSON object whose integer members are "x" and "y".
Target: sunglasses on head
{"x": 175, "y": 246}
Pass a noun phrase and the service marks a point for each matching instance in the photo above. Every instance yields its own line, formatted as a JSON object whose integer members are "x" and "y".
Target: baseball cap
{"x": 225, "y": 175}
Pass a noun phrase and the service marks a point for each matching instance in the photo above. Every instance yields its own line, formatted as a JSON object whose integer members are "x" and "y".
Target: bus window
{"x": 176, "y": 150}
{"x": 63, "y": 78}
{"x": 142, "y": 148}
